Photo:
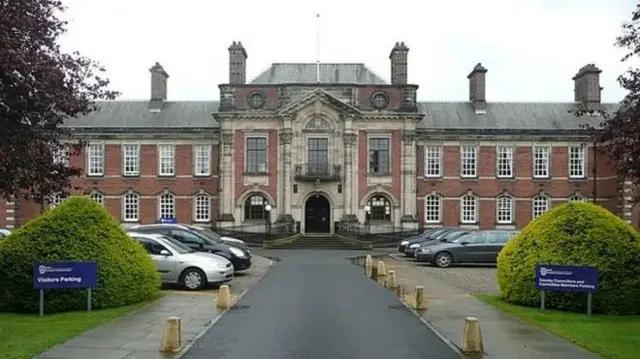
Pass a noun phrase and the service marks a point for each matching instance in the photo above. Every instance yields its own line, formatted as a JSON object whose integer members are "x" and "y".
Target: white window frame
{"x": 464, "y": 219}
{"x": 98, "y": 197}
{"x": 511, "y": 217}
{"x": 379, "y": 136}
{"x": 198, "y": 170}
{"x": 162, "y": 205}
{"x": 135, "y": 162}
{"x": 429, "y": 171}
{"x": 264, "y": 136}
{"x": 505, "y": 166}
{"x": 162, "y": 156}
{"x": 137, "y": 207}
{"x": 56, "y": 200}
{"x": 196, "y": 208}
{"x": 534, "y": 202}
{"x": 581, "y": 167}
{"x": 472, "y": 172}
{"x": 577, "y": 197}
{"x": 62, "y": 156}
{"x": 547, "y": 168}
{"x": 95, "y": 152}
{"x": 439, "y": 209}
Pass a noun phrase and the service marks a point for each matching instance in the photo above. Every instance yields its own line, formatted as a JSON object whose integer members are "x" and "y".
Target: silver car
{"x": 179, "y": 264}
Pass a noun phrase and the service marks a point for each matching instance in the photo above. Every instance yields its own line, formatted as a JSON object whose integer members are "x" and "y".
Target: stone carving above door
{"x": 318, "y": 124}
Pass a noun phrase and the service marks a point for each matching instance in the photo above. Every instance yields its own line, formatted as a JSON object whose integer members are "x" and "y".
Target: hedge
{"x": 575, "y": 233}
{"x": 79, "y": 229}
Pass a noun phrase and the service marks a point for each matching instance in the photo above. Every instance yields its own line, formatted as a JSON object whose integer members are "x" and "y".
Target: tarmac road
{"x": 317, "y": 305}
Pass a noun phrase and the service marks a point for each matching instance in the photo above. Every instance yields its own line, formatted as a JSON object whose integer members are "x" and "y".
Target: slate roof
{"x": 300, "y": 73}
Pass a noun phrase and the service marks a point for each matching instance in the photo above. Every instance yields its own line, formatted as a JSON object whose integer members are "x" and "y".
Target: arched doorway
{"x": 317, "y": 214}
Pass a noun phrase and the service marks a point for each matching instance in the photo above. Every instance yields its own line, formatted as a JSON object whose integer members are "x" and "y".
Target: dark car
{"x": 198, "y": 240}
{"x": 430, "y": 233}
{"x": 474, "y": 247}
{"x": 448, "y": 234}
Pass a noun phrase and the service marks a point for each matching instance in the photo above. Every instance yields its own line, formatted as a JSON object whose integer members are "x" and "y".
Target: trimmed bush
{"x": 79, "y": 229}
{"x": 581, "y": 234}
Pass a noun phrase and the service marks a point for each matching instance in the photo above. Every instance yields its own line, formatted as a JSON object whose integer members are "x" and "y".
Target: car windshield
{"x": 176, "y": 245}
{"x": 207, "y": 233}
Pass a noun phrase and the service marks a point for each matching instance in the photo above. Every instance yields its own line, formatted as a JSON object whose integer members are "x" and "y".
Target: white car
{"x": 4, "y": 232}
{"x": 179, "y": 264}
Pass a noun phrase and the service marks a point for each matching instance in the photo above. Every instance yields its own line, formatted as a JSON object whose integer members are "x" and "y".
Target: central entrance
{"x": 317, "y": 215}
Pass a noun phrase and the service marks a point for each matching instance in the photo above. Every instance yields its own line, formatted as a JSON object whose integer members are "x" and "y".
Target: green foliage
{"x": 79, "y": 229}
{"x": 575, "y": 233}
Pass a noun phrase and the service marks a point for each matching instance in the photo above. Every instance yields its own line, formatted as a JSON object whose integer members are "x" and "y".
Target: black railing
{"x": 379, "y": 234}
{"x": 313, "y": 171}
{"x": 254, "y": 234}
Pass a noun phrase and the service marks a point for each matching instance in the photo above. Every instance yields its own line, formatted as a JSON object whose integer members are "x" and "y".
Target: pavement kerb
{"x": 186, "y": 348}
{"x": 455, "y": 347}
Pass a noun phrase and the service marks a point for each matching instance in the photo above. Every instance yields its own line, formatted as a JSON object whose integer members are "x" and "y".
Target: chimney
{"x": 158, "y": 87}
{"x": 399, "y": 57}
{"x": 237, "y": 63}
{"x": 587, "y": 87}
{"x": 477, "y": 88}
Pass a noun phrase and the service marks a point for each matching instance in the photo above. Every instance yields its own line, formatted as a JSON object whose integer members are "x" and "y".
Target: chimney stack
{"x": 587, "y": 87}
{"x": 399, "y": 58}
{"x": 237, "y": 63}
{"x": 158, "y": 87}
{"x": 477, "y": 88}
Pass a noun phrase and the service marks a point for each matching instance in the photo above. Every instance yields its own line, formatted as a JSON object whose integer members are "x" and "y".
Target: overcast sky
{"x": 531, "y": 48}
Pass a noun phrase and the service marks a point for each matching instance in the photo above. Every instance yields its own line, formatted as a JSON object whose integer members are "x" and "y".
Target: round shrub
{"x": 581, "y": 234}
{"x": 79, "y": 229}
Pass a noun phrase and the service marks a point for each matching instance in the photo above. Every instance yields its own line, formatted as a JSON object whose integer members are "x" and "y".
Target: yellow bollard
{"x": 172, "y": 336}
{"x": 472, "y": 337}
{"x": 382, "y": 272}
{"x": 368, "y": 264}
{"x": 223, "y": 299}
{"x": 374, "y": 273}
{"x": 420, "y": 301}
{"x": 399, "y": 291}
{"x": 392, "y": 281}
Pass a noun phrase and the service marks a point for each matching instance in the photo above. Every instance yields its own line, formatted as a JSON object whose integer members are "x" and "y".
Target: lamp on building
{"x": 267, "y": 217}
{"x": 367, "y": 210}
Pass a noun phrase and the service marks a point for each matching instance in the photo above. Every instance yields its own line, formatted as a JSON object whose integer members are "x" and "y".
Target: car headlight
{"x": 236, "y": 252}
{"x": 415, "y": 245}
{"x": 425, "y": 250}
{"x": 404, "y": 243}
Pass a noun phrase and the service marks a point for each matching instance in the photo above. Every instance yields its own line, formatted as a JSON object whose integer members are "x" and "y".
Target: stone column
{"x": 349, "y": 144}
{"x": 286, "y": 135}
{"x": 226, "y": 187}
{"x": 409, "y": 180}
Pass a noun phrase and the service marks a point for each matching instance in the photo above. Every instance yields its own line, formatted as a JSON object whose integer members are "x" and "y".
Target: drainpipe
{"x": 595, "y": 169}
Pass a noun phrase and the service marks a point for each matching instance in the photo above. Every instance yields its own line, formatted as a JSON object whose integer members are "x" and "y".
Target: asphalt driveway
{"x": 316, "y": 304}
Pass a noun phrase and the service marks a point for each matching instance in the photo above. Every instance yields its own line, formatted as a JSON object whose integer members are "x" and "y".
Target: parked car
{"x": 179, "y": 264}
{"x": 474, "y": 247}
{"x": 198, "y": 240}
{"x": 206, "y": 231}
{"x": 4, "y": 233}
{"x": 403, "y": 243}
{"x": 422, "y": 237}
{"x": 443, "y": 236}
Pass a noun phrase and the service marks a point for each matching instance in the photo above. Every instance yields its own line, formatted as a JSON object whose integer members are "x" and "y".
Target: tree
{"x": 619, "y": 132}
{"x": 40, "y": 87}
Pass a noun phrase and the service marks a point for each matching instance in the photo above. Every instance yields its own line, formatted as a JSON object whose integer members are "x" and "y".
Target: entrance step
{"x": 320, "y": 241}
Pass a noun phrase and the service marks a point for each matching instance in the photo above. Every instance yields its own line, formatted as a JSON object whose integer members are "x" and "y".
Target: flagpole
{"x": 318, "y": 48}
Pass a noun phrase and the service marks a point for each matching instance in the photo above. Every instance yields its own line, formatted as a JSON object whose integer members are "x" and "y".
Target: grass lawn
{"x": 22, "y": 336}
{"x": 610, "y": 336}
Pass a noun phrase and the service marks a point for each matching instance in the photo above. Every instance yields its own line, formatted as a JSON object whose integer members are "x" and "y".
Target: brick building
{"x": 331, "y": 143}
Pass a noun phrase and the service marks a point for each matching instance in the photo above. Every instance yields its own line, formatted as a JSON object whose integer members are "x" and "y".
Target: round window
{"x": 256, "y": 100}
{"x": 380, "y": 101}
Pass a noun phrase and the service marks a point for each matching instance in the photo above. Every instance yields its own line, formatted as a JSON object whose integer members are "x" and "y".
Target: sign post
{"x": 562, "y": 278}
{"x": 65, "y": 275}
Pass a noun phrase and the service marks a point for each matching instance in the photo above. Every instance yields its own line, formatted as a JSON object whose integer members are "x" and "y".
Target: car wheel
{"x": 443, "y": 259}
{"x": 193, "y": 279}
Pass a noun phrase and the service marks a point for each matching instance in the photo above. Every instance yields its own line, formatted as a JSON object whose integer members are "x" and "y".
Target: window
{"x": 577, "y": 162}
{"x": 95, "y": 160}
{"x": 131, "y": 160}
{"x": 61, "y": 157}
{"x": 541, "y": 161}
{"x": 55, "y": 200}
{"x": 433, "y": 161}
{"x": 504, "y": 165}
{"x": 202, "y": 208}
{"x": 202, "y": 160}
{"x": 256, "y": 155}
{"x": 469, "y": 209}
{"x": 540, "y": 205}
{"x": 166, "y": 160}
{"x": 504, "y": 209}
{"x": 318, "y": 155}
{"x": 167, "y": 206}
{"x": 254, "y": 207}
{"x": 433, "y": 209}
{"x": 98, "y": 197}
{"x": 577, "y": 197}
{"x": 497, "y": 237}
{"x": 379, "y": 155}
{"x": 468, "y": 161}
{"x": 380, "y": 209}
{"x": 151, "y": 247}
{"x": 186, "y": 237}
{"x": 131, "y": 207}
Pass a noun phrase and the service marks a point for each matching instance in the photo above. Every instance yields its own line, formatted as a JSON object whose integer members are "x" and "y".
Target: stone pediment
{"x": 317, "y": 98}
